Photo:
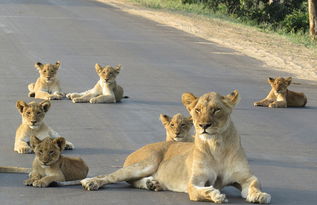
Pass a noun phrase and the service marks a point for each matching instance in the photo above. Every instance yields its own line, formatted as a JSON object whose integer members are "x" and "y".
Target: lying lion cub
{"x": 177, "y": 128}
{"x": 50, "y": 166}
{"x": 32, "y": 124}
{"x": 280, "y": 96}
{"x": 105, "y": 91}
{"x": 47, "y": 85}
{"x": 201, "y": 169}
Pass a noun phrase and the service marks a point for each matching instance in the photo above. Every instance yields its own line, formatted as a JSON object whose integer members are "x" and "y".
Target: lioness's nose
{"x": 205, "y": 126}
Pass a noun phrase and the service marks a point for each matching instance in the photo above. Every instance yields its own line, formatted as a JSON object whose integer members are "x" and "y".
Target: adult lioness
{"x": 47, "y": 85}
{"x": 177, "y": 128}
{"x": 201, "y": 169}
{"x": 50, "y": 166}
{"x": 105, "y": 91}
{"x": 280, "y": 96}
{"x": 32, "y": 124}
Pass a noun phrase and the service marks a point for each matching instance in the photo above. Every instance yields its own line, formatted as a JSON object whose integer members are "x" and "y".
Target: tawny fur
{"x": 50, "y": 166}
{"x": 201, "y": 169}
{"x": 105, "y": 91}
{"x": 47, "y": 86}
{"x": 177, "y": 128}
{"x": 280, "y": 96}
{"x": 32, "y": 124}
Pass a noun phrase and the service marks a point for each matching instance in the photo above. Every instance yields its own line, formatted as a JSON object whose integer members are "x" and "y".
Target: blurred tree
{"x": 312, "y": 10}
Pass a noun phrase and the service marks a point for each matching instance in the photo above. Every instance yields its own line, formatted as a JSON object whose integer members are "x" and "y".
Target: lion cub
{"x": 32, "y": 124}
{"x": 105, "y": 91}
{"x": 50, "y": 166}
{"x": 47, "y": 85}
{"x": 177, "y": 128}
{"x": 280, "y": 96}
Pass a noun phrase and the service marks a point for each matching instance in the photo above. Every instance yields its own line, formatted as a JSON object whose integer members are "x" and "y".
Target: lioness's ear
{"x": 232, "y": 99}
{"x": 61, "y": 142}
{"x": 117, "y": 68}
{"x": 57, "y": 65}
{"x": 46, "y": 104}
{"x": 270, "y": 80}
{"x": 34, "y": 141}
{"x": 165, "y": 119}
{"x": 189, "y": 101}
{"x": 289, "y": 80}
{"x": 38, "y": 65}
{"x": 21, "y": 105}
{"x": 98, "y": 68}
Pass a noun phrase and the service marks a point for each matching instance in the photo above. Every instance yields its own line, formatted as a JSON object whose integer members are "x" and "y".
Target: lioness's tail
{"x": 15, "y": 170}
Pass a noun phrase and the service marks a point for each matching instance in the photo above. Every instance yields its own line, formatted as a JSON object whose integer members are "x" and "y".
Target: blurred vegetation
{"x": 286, "y": 17}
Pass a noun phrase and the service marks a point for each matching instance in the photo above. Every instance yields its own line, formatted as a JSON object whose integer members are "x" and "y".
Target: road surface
{"x": 159, "y": 64}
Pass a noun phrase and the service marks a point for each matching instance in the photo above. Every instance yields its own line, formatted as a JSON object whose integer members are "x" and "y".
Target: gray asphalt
{"x": 159, "y": 64}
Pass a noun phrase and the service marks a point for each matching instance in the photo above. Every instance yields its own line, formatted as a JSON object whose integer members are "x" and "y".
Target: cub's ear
{"x": 34, "y": 141}
{"x": 270, "y": 80}
{"x": 46, "y": 104}
{"x": 117, "y": 68}
{"x": 21, "y": 105}
{"x": 289, "y": 80}
{"x": 61, "y": 142}
{"x": 57, "y": 65}
{"x": 165, "y": 119}
{"x": 232, "y": 99}
{"x": 189, "y": 101}
{"x": 98, "y": 68}
{"x": 38, "y": 65}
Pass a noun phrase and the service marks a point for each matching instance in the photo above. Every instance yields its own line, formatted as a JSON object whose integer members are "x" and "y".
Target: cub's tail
{"x": 15, "y": 170}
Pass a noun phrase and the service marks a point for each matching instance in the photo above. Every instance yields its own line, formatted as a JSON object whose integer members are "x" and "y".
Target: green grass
{"x": 201, "y": 10}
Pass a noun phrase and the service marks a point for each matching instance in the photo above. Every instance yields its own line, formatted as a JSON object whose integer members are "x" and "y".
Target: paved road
{"x": 159, "y": 64}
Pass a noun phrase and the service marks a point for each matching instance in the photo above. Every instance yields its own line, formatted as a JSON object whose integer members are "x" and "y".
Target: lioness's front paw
{"x": 39, "y": 183}
{"x": 93, "y": 100}
{"x": 69, "y": 96}
{"x": 90, "y": 184}
{"x": 76, "y": 100}
{"x": 256, "y": 104}
{"x": 153, "y": 185}
{"x": 259, "y": 197}
{"x": 69, "y": 146}
{"x": 273, "y": 105}
{"x": 24, "y": 150}
{"x": 28, "y": 182}
{"x": 217, "y": 197}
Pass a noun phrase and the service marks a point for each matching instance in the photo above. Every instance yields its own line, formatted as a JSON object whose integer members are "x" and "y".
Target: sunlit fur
{"x": 201, "y": 169}
{"x": 280, "y": 96}
{"x": 47, "y": 86}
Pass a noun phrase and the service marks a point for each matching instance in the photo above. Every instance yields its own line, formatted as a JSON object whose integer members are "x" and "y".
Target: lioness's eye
{"x": 28, "y": 113}
{"x": 44, "y": 71}
{"x": 51, "y": 152}
{"x": 172, "y": 125}
{"x": 40, "y": 151}
{"x": 217, "y": 110}
{"x": 183, "y": 125}
{"x": 197, "y": 110}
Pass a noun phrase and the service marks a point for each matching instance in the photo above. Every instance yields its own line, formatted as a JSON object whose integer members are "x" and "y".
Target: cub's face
{"x": 48, "y": 150}
{"x": 33, "y": 113}
{"x": 108, "y": 74}
{"x": 48, "y": 71}
{"x": 279, "y": 85}
{"x": 210, "y": 112}
{"x": 177, "y": 127}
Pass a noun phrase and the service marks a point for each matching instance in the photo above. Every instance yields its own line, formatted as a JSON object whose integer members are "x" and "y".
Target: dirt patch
{"x": 275, "y": 51}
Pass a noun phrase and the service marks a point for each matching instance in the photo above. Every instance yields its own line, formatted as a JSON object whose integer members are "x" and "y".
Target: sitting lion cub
{"x": 32, "y": 124}
{"x": 50, "y": 166}
{"x": 47, "y": 85}
{"x": 105, "y": 91}
{"x": 280, "y": 96}
{"x": 177, "y": 128}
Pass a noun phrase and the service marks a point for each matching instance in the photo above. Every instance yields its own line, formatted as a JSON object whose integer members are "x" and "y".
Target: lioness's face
{"x": 210, "y": 112}
{"x": 177, "y": 127}
{"x": 108, "y": 74}
{"x": 280, "y": 84}
{"x": 48, "y": 71}
{"x": 48, "y": 150}
{"x": 33, "y": 113}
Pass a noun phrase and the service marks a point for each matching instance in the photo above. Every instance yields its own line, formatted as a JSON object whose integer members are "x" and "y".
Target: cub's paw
{"x": 90, "y": 184}
{"x": 40, "y": 184}
{"x": 259, "y": 197}
{"x": 273, "y": 105}
{"x": 69, "y": 146}
{"x": 69, "y": 96}
{"x": 55, "y": 97}
{"x": 24, "y": 150}
{"x": 28, "y": 182}
{"x": 153, "y": 185}
{"x": 76, "y": 100}
{"x": 93, "y": 100}
{"x": 217, "y": 197}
